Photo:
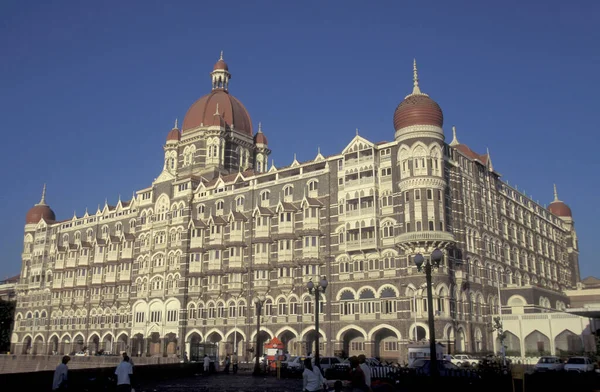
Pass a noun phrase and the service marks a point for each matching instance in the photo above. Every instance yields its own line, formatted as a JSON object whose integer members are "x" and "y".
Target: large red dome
{"x": 230, "y": 108}
{"x": 418, "y": 109}
{"x": 39, "y": 211}
{"x": 559, "y": 208}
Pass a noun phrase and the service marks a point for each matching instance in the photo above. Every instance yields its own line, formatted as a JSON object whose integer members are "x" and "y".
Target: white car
{"x": 463, "y": 359}
{"x": 549, "y": 364}
{"x": 579, "y": 365}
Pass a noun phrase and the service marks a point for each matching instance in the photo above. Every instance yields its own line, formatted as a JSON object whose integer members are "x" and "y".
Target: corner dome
{"x": 39, "y": 211}
{"x": 417, "y": 108}
{"x": 218, "y": 101}
{"x": 174, "y": 135}
{"x": 559, "y": 208}
{"x": 260, "y": 137}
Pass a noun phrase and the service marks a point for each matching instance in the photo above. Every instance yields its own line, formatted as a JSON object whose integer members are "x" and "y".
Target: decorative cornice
{"x": 422, "y": 182}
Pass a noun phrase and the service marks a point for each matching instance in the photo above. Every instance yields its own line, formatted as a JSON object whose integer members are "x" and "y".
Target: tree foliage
{"x": 7, "y": 316}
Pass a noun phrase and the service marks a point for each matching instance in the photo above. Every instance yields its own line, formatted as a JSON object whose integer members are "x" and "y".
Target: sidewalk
{"x": 224, "y": 383}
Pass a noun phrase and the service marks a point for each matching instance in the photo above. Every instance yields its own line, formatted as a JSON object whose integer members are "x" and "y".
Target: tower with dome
{"x": 180, "y": 263}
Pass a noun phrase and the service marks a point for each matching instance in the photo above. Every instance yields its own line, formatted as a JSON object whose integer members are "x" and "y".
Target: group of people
{"x": 123, "y": 373}
{"x": 229, "y": 361}
{"x": 360, "y": 376}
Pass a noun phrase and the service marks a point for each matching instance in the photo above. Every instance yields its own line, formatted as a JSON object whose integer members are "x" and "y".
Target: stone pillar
{"x": 338, "y": 347}
{"x": 402, "y": 351}
{"x": 369, "y": 348}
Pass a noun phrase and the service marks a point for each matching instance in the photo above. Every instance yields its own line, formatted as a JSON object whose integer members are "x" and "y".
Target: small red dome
{"x": 174, "y": 135}
{"x": 39, "y": 211}
{"x": 559, "y": 208}
{"x": 221, "y": 65}
{"x": 418, "y": 109}
{"x": 230, "y": 108}
{"x": 260, "y": 138}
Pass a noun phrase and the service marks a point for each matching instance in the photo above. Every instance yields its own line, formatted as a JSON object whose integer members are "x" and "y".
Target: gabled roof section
{"x": 284, "y": 206}
{"x": 263, "y": 211}
{"x": 355, "y": 144}
{"x": 197, "y": 224}
{"x": 237, "y": 216}
{"x": 311, "y": 202}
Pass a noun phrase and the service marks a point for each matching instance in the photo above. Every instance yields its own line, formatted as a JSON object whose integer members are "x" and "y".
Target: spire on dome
{"x": 416, "y": 89}
{"x": 43, "y": 199}
{"x": 555, "y": 194}
{"x": 221, "y": 58}
{"x": 175, "y": 127}
{"x": 260, "y": 127}
{"x": 356, "y": 131}
{"x": 489, "y": 160}
{"x": 454, "y": 141}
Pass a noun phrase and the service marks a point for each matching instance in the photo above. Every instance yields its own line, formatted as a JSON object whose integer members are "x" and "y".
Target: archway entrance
{"x": 154, "y": 344}
{"x": 235, "y": 344}
{"x": 107, "y": 344}
{"x": 171, "y": 344}
{"x": 53, "y": 345}
{"x": 94, "y": 344}
{"x": 78, "y": 343}
{"x": 196, "y": 350}
{"x": 289, "y": 339}
{"x": 385, "y": 345}
{"x": 38, "y": 346}
{"x": 310, "y": 338}
{"x": 354, "y": 343}
{"x": 137, "y": 345}
{"x": 26, "y": 345}
{"x": 121, "y": 344}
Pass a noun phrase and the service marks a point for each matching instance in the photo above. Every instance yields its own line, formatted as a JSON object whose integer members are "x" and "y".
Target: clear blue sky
{"x": 89, "y": 90}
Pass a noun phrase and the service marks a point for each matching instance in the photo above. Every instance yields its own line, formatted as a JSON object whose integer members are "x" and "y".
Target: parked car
{"x": 422, "y": 366}
{"x": 328, "y": 363}
{"x": 295, "y": 363}
{"x": 579, "y": 365}
{"x": 463, "y": 359}
{"x": 549, "y": 364}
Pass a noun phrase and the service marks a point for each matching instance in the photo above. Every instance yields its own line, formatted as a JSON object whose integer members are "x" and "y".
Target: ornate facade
{"x": 181, "y": 262}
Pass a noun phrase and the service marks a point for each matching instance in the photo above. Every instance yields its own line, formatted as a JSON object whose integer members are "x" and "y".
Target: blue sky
{"x": 89, "y": 90}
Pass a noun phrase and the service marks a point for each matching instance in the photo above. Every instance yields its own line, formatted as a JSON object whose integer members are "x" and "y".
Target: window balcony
{"x": 69, "y": 282}
{"x": 127, "y": 253}
{"x": 262, "y": 232}
{"x": 71, "y": 262}
{"x": 110, "y": 278}
{"x": 261, "y": 283}
{"x": 310, "y": 253}
{"x": 196, "y": 242}
{"x": 59, "y": 264}
{"x": 81, "y": 281}
{"x": 125, "y": 275}
{"x": 214, "y": 265}
{"x": 96, "y": 279}
{"x": 196, "y": 267}
{"x": 285, "y": 281}
{"x": 285, "y": 255}
{"x": 285, "y": 228}
{"x": 236, "y": 236}
{"x": 310, "y": 224}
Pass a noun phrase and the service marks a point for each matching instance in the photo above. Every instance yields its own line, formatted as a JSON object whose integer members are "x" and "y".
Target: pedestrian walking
{"x": 124, "y": 372}
{"x": 227, "y": 363}
{"x": 235, "y": 361}
{"x": 206, "y": 364}
{"x": 59, "y": 382}
{"x": 362, "y": 361}
{"x": 312, "y": 379}
{"x": 357, "y": 376}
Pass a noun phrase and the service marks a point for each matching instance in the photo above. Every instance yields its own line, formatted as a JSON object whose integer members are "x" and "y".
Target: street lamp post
{"x": 317, "y": 290}
{"x": 434, "y": 261}
{"x": 258, "y": 301}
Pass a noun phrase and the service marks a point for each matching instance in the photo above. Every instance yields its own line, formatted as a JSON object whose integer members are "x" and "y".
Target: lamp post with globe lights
{"x": 317, "y": 290}
{"x": 434, "y": 261}
{"x": 259, "y": 300}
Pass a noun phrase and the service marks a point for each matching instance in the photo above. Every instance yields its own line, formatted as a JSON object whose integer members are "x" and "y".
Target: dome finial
{"x": 555, "y": 193}
{"x": 356, "y": 131}
{"x": 416, "y": 89}
{"x": 454, "y": 141}
{"x": 43, "y": 199}
{"x": 175, "y": 127}
{"x": 260, "y": 127}
{"x": 221, "y": 58}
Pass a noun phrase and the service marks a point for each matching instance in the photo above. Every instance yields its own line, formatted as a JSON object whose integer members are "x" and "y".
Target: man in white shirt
{"x": 59, "y": 383}
{"x": 362, "y": 360}
{"x": 124, "y": 372}
{"x": 206, "y": 364}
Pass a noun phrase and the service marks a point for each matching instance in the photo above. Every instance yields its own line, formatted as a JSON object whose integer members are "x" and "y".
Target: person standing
{"x": 357, "y": 376}
{"x": 124, "y": 372}
{"x": 227, "y": 363}
{"x": 312, "y": 379}
{"x": 362, "y": 361}
{"x": 59, "y": 383}
{"x": 235, "y": 361}
{"x": 206, "y": 364}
